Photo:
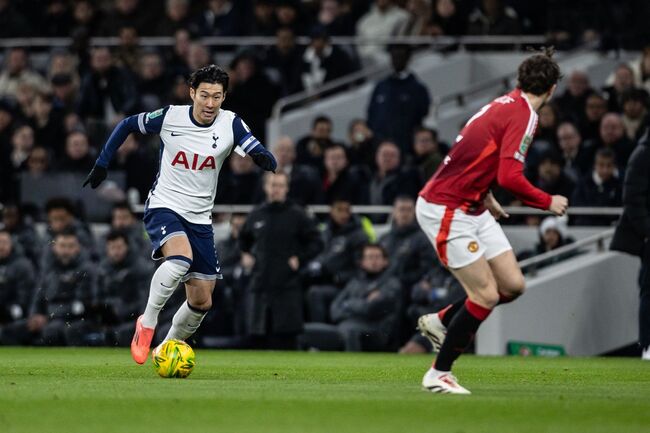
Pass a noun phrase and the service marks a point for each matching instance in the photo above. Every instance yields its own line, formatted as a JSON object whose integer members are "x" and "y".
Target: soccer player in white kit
{"x": 194, "y": 142}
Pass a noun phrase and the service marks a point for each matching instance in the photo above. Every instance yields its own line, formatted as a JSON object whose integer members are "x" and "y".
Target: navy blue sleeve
{"x": 243, "y": 136}
{"x": 146, "y": 123}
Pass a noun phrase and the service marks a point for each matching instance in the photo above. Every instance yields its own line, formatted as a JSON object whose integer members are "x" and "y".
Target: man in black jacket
{"x": 66, "y": 291}
{"x": 633, "y": 230}
{"x": 16, "y": 281}
{"x": 343, "y": 236}
{"x": 278, "y": 237}
{"x": 122, "y": 283}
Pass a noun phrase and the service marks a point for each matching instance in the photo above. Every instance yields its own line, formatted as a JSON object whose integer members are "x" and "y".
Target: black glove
{"x": 264, "y": 160}
{"x": 96, "y": 176}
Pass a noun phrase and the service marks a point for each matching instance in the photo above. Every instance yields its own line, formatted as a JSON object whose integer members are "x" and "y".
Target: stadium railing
{"x": 597, "y": 241}
{"x": 516, "y": 41}
{"x": 387, "y": 210}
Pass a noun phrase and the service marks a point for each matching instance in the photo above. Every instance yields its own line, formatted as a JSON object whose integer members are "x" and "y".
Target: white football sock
{"x": 185, "y": 322}
{"x": 163, "y": 283}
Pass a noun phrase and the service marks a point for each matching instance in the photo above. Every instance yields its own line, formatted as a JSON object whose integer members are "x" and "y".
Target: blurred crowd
{"x": 331, "y": 283}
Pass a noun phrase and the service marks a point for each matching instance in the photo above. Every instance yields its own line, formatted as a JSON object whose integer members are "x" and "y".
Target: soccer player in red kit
{"x": 457, "y": 212}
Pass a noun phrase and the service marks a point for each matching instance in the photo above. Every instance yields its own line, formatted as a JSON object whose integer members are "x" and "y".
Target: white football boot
{"x": 645, "y": 354}
{"x": 432, "y": 328}
{"x": 442, "y": 382}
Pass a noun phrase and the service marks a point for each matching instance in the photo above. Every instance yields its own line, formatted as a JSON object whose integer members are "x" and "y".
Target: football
{"x": 173, "y": 358}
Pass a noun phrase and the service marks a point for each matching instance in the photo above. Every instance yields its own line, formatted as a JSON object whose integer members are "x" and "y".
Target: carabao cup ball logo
{"x": 173, "y": 358}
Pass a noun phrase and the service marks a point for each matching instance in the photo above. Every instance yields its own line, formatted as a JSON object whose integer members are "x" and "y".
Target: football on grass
{"x": 173, "y": 358}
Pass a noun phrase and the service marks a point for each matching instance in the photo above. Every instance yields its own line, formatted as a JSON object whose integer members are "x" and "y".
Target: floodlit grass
{"x": 102, "y": 390}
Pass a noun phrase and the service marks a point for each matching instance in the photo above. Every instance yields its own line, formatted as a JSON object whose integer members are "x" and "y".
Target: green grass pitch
{"x": 102, "y": 390}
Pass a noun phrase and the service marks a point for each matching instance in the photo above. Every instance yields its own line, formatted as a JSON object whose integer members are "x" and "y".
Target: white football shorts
{"x": 460, "y": 239}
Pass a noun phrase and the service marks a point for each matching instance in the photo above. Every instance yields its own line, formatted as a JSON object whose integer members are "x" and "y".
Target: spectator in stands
{"x": 252, "y": 95}
{"x": 77, "y": 157}
{"x": 602, "y": 188}
{"x": 550, "y": 176}
{"x": 22, "y": 231}
{"x": 140, "y": 164}
{"x": 427, "y": 154}
{"x": 391, "y": 180}
{"x": 6, "y": 169}
{"x": 17, "y": 71}
{"x": 222, "y": 18}
{"x": 17, "y": 281}
{"x": 237, "y": 185}
{"x": 176, "y": 59}
{"x": 343, "y": 235}
{"x": 199, "y": 56}
{"x": 635, "y": 113}
{"x": 22, "y": 143}
{"x": 572, "y": 102}
{"x": 366, "y": 312}
{"x": 335, "y": 19}
{"x": 398, "y": 103}
{"x": 410, "y": 252}
{"x": 12, "y": 23}
{"x": 61, "y": 219}
{"x": 323, "y": 62}
{"x": 128, "y": 52}
{"x": 235, "y": 276}
{"x": 107, "y": 92}
{"x": 553, "y": 234}
{"x": 123, "y": 220}
{"x": 288, "y": 14}
{"x": 623, "y": 80}
{"x": 264, "y": 18}
{"x": 38, "y": 162}
{"x": 420, "y": 14}
{"x": 310, "y": 148}
{"x": 304, "y": 180}
{"x": 547, "y": 125}
{"x": 642, "y": 70}
{"x": 56, "y": 19}
{"x": 130, "y": 13}
{"x": 86, "y": 18}
{"x": 612, "y": 136}
{"x": 361, "y": 149}
{"x": 595, "y": 109}
{"x": 64, "y": 91}
{"x": 278, "y": 238}
{"x": 433, "y": 292}
{"x": 48, "y": 123}
{"x": 153, "y": 84}
{"x": 339, "y": 178}
{"x": 176, "y": 17}
{"x": 122, "y": 281}
{"x": 62, "y": 301}
{"x": 384, "y": 19}
{"x": 576, "y": 157}
{"x": 447, "y": 19}
{"x": 493, "y": 17}
{"x": 284, "y": 59}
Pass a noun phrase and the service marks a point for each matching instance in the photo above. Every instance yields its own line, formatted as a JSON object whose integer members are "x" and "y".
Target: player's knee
{"x": 487, "y": 297}
{"x": 178, "y": 265}
{"x": 515, "y": 288}
{"x": 202, "y": 305}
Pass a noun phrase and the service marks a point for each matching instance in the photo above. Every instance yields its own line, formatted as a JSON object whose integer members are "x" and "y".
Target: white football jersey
{"x": 191, "y": 157}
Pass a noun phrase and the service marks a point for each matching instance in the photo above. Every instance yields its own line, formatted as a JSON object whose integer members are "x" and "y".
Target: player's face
{"x": 5, "y": 245}
{"x": 207, "y": 99}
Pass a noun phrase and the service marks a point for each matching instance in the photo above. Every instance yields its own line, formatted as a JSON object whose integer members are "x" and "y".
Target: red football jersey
{"x": 492, "y": 146}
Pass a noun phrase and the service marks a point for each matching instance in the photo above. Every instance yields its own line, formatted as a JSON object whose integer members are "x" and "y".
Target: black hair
{"x": 211, "y": 74}
{"x": 404, "y": 197}
{"x": 123, "y": 205}
{"x": 60, "y": 203}
{"x": 117, "y": 234}
{"x": 538, "y": 73}
{"x": 607, "y": 153}
{"x": 319, "y": 119}
{"x": 433, "y": 132}
{"x": 67, "y": 231}
{"x": 375, "y": 246}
